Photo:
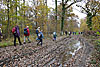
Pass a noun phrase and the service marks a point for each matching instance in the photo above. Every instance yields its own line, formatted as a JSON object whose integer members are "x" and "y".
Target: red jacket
{"x": 28, "y": 33}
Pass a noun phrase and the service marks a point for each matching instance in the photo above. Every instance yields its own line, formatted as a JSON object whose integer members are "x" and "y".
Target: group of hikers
{"x": 40, "y": 36}
{"x": 16, "y": 33}
{"x": 72, "y": 33}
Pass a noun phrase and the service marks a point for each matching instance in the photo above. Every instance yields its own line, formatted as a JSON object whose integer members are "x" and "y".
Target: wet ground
{"x": 65, "y": 52}
{"x": 69, "y": 52}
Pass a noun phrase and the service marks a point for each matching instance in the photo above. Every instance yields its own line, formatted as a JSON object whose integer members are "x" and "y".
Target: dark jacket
{"x": 0, "y": 32}
{"x": 17, "y": 31}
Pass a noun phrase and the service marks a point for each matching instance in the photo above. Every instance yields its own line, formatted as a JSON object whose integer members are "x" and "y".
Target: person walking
{"x": 16, "y": 34}
{"x": 40, "y": 37}
{"x": 1, "y": 34}
{"x": 37, "y": 32}
{"x": 26, "y": 34}
{"x": 54, "y": 36}
{"x": 69, "y": 33}
{"x": 66, "y": 33}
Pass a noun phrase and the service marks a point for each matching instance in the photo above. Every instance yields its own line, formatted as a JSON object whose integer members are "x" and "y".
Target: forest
{"x": 75, "y": 23}
{"x": 35, "y": 13}
{"x": 20, "y": 12}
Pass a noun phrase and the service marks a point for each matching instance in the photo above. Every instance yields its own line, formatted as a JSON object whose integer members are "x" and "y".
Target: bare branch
{"x": 83, "y": 8}
{"x": 79, "y": 11}
{"x": 71, "y": 4}
{"x": 66, "y": 1}
{"x": 87, "y": 6}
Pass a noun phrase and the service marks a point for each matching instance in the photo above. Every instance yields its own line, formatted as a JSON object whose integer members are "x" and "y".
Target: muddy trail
{"x": 65, "y": 52}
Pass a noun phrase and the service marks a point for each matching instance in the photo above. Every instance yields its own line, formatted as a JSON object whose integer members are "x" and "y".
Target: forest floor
{"x": 71, "y": 51}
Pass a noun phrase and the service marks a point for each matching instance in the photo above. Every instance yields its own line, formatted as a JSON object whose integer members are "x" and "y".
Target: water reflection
{"x": 70, "y": 51}
{"x": 76, "y": 46}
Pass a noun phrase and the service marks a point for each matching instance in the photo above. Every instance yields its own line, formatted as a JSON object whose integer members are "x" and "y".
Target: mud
{"x": 65, "y": 52}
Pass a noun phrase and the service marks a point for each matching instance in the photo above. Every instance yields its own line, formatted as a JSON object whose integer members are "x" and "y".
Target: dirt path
{"x": 81, "y": 57}
{"x": 31, "y": 55}
{"x": 7, "y": 54}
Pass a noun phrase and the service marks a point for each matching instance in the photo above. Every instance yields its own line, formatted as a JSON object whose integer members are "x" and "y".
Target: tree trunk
{"x": 63, "y": 14}
{"x": 7, "y": 32}
{"x": 16, "y": 11}
{"x": 24, "y": 13}
{"x": 56, "y": 14}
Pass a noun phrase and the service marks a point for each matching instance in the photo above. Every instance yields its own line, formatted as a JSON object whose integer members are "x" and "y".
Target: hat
{"x": 38, "y": 27}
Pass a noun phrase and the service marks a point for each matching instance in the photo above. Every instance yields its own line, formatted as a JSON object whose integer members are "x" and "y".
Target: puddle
{"x": 76, "y": 47}
{"x": 69, "y": 52}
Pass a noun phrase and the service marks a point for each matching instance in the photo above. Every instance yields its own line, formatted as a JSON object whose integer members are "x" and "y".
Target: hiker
{"x": 75, "y": 33}
{"x": 69, "y": 33}
{"x": 66, "y": 33}
{"x": 16, "y": 34}
{"x": 1, "y": 34}
{"x": 37, "y": 32}
{"x": 26, "y": 34}
{"x": 79, "y": 32}
{"x": 40, "y": 37}
{"x": 54, "y": 36}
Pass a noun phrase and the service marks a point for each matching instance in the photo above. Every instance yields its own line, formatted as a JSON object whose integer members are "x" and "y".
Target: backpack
{"x": 37, "y": 31}
{"x": 13, "y": 30}
{"x": 25, "y": 31}
{"x": 39, "y": 35}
